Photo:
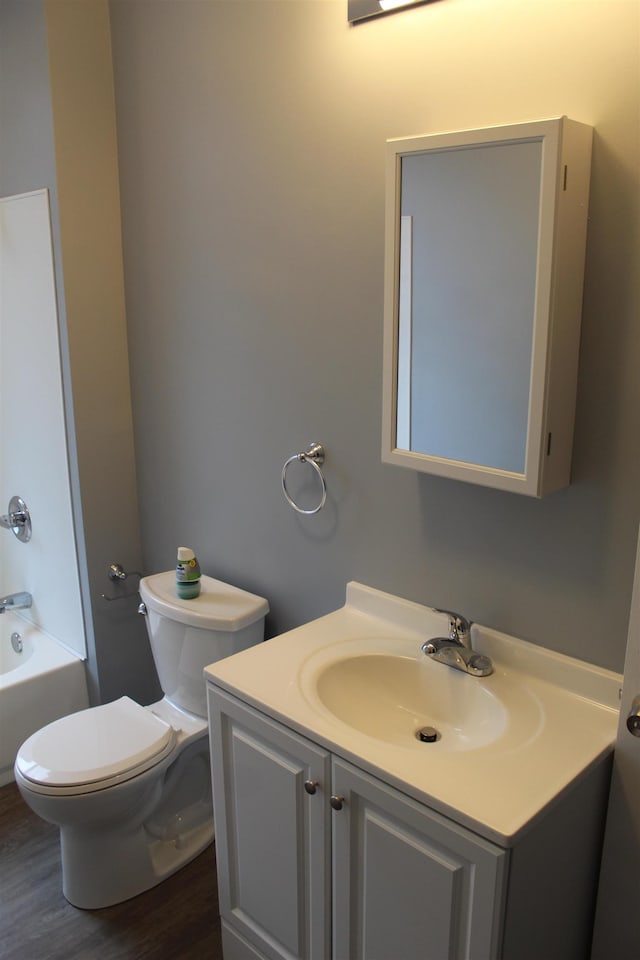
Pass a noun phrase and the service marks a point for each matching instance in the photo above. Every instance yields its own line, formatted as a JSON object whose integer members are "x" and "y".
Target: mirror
{"x": 485, "y": 243}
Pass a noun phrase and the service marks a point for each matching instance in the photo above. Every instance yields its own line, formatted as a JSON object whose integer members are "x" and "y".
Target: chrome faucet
{"x": 16, "y": 601}
{"x": 455, "y": 650}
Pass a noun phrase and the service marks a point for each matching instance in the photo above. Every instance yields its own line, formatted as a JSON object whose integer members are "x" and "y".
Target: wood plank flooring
{"x": 177, "y": 920}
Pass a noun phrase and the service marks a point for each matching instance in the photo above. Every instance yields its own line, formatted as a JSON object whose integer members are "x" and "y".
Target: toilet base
{"x": 125, "y": 870}
{"x": 118, "y": 842}
{"x": 164, "y": 827}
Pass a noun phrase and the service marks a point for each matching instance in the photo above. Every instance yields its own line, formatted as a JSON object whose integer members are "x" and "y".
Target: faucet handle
{"x": 459, "y": 627}
{"x": 17, "y": 519}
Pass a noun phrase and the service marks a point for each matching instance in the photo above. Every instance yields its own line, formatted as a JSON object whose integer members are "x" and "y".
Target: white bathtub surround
{"x": 38, "y": 685}
{"x": 33, "y": 444}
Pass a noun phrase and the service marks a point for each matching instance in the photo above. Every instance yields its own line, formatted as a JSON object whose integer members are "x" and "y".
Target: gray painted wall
{"x": 37, "y": 149}
{"x": 251, "y": 143}
{"x": 24, "y": 100}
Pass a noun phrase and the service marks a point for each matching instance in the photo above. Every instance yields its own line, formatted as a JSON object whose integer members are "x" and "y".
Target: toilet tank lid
{"x": 220, "y": 606}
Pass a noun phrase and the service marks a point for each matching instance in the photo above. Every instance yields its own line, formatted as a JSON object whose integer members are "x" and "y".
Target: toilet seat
{"x": 95, "y": 748}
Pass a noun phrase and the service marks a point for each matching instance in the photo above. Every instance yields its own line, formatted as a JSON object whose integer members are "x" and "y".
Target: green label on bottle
{"x": 187, "y": 570}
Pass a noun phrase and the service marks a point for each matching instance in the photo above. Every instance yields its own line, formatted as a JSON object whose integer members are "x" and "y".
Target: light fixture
{"x": 387, "y": 5}
{"x": 365, "y": 9}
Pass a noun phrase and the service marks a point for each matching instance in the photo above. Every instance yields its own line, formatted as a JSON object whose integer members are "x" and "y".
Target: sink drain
{"x": 428, "y": 735}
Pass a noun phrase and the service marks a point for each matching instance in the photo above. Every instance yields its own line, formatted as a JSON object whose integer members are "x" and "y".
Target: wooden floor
{"x": 177, "y": 920}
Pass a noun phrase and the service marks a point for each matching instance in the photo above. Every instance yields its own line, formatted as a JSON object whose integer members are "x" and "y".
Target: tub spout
{"x": 16, "y": 601}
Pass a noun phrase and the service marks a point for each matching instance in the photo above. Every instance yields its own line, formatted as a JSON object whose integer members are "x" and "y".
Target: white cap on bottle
{"x": 185, "y": 553}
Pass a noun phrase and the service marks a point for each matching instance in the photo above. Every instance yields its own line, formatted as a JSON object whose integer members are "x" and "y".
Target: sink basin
{"x": 392, "y": 698}
{"x": 356, "y": 684}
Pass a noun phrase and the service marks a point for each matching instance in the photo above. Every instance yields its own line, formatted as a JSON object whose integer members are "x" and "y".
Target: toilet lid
{"x": 96, "y": 745}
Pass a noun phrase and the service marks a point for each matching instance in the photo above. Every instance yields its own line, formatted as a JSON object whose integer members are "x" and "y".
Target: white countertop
{"x": 560, "y": 714}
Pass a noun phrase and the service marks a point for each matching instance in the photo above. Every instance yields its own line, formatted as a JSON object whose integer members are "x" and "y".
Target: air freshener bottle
{"x": 187, "y": 574}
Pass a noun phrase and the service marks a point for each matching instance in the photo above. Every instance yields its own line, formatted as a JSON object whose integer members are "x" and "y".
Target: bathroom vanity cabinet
{"x": 318, "y": 858}
{"x": 342, "y": 835}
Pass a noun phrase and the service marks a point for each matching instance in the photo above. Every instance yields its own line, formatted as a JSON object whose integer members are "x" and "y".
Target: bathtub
{"x": 37, "y": 685}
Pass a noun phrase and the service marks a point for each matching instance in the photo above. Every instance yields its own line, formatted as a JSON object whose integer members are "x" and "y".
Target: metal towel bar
{"x": 118, "y": 574}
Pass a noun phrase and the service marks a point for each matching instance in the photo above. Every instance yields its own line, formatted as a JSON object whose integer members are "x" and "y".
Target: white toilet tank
{"x": 187, "y": 635}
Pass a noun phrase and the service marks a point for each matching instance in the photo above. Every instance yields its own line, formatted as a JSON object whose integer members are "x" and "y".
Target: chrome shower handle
{"x": 11, "y": 520}
{"x": 17, "y": 519}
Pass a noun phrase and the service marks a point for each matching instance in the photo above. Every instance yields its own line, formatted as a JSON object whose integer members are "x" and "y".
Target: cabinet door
{"x": 272, "y": 839}
{"x": 408, "y": 883}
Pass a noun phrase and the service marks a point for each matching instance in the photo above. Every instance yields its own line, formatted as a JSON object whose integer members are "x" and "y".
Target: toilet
{"x": 130, "y": 786}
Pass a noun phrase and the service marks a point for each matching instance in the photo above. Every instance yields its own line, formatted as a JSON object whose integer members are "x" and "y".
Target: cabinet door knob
{"x": 336, "y": 802}
{"x": 311, "y": 786}
{"x": 633, "y": 720}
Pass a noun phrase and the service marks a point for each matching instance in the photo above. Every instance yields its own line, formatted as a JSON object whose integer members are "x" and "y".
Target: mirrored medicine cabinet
{"x": 484, "y": 261}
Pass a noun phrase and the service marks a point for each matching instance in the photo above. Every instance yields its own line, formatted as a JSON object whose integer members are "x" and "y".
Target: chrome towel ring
{"x": 314, "y": 455}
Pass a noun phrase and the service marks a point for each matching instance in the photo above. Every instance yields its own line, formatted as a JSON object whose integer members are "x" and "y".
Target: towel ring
{"x": 314, "y": 455}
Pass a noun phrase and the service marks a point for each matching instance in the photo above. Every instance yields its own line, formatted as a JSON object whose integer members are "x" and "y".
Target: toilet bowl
{"x": 130, "y": 786}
